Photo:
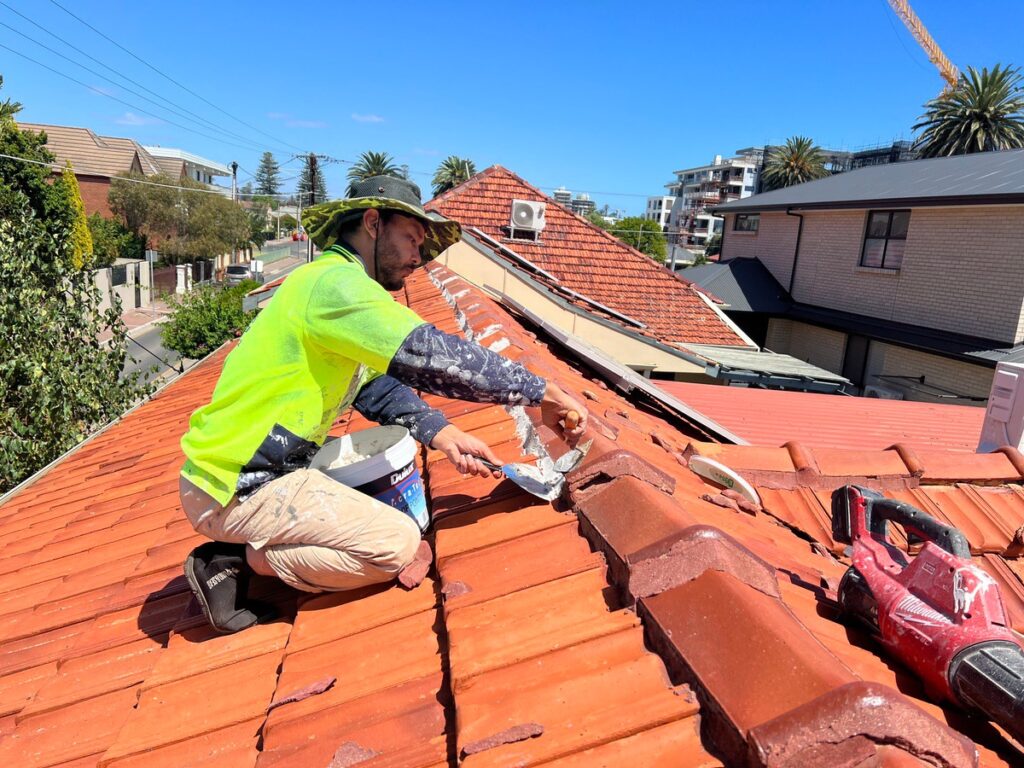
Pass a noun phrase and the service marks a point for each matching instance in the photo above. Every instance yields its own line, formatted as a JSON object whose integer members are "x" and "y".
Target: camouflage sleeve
{"x": 387, "y": 401}
{"x": 450, "y": 366}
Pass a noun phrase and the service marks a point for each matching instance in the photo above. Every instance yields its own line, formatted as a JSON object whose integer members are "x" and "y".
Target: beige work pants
{"x": 312, "y": 532}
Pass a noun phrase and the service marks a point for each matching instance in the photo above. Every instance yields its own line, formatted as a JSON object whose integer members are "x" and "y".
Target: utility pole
{"x": 234, "y": 199}
{"x": 312, "y": 201}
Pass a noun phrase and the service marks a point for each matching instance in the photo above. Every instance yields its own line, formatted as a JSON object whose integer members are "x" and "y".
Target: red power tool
{"x": 940, "y": 614}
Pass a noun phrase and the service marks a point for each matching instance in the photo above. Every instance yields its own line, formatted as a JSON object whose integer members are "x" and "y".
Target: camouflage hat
{"x": 326, "y": 221}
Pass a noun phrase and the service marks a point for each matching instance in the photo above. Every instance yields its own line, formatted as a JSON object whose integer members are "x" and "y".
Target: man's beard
{"x": 388, "y": 273}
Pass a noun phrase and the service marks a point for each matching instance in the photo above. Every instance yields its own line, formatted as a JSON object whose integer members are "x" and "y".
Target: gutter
{"x": 796, "y": 249}
{"x": 952, "y": 201}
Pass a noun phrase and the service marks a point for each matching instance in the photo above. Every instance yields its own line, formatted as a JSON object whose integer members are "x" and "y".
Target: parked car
{"x": 236, "y": 273}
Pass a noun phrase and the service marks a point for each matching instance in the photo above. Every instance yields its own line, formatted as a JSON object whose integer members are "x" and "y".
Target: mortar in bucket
{"x": 380, "y": 462}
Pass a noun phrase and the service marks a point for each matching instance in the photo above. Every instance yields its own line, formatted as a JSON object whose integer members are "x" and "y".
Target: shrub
{"x": 111, "y": 240}
{"x": 204, "y": 319}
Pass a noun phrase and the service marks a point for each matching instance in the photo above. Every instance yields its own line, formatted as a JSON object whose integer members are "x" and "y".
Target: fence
{"x": 128, "y": 279}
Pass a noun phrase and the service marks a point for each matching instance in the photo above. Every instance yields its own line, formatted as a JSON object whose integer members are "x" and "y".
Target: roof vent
{"x": 527, "y": 216}
{"x": 1004, "y": 416}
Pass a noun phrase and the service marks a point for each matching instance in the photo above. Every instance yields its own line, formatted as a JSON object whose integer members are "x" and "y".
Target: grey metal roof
{"x": 745, "y": 285}
{"x": 767, "y": 369}
{"x": 982, "y": 178}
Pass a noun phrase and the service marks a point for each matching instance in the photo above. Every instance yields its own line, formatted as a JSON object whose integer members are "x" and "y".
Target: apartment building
{"x": 658, "y": 210}
{"x": 691, "y": 222}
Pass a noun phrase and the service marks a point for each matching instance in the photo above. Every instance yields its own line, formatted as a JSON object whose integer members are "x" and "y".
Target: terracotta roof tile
{"x": 588, "y": 260}
{"x": 539, "y": 638}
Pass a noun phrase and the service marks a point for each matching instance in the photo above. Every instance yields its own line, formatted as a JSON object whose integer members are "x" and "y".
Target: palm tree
{"x": 799, "y": 160}
{"x": 8, "y": 108}
{"x": 372, "y": 164}
{"x": 981, "y": 114}
{"x": 452, "y": 172}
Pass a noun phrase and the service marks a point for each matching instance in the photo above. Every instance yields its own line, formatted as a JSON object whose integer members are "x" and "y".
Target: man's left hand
{"x": 464, "y": 450}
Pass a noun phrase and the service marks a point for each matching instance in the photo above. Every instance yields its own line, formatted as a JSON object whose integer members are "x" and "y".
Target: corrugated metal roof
{"x": 770, "y": 417}
{"x": 985, "y": 177}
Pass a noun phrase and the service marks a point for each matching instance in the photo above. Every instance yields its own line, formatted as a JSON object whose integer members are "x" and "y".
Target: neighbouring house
{"x": 186, "y": 165}
{"x": 579, "y": 280}
{"x": 94, "y": 159}
{"x": 905, "y": 278}
{"x": 636, "y": 622}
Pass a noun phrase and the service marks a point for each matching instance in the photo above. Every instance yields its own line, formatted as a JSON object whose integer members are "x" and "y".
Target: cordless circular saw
{"x": 940, "y": 614}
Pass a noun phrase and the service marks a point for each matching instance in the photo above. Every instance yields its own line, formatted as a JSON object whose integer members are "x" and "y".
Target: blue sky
{"x": 601, "y": 97}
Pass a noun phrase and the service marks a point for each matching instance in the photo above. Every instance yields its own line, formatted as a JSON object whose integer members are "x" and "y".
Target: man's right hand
{"x": 555, "y": 411}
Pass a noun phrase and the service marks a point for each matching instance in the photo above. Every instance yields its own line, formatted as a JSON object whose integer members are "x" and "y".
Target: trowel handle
{"x": 572, "y": 419}
{"x": 489, "y": 465}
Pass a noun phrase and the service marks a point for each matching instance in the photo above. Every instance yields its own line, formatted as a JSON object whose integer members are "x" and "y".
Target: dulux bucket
{"x": 388, "y": 473}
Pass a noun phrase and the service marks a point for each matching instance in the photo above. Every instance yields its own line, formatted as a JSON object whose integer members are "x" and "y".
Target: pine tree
{"x": 305, "y": 185}
{"x": 268, "y": 176}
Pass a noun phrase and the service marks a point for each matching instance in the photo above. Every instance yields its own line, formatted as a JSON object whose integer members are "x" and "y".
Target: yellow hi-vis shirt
{"x": 326, "y": 332}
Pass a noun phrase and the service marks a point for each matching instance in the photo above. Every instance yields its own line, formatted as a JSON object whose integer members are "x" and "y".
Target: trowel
{"x": 545, "y": 478}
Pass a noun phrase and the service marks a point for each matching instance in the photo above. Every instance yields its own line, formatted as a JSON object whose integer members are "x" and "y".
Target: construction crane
{"x": 946, "y": 68}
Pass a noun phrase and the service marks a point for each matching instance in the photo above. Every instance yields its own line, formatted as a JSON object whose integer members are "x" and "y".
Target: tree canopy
{"x": 268, "y": 175}
{"x": 644, "y": 235}
{"x": 372, "y": 164}
{"x": 451, "y": 172}
{"x": 797, "y": 161}
{"x": 181, "y": 218}
{"x": 58, "y": 381}
{"x": 983, "y": 113}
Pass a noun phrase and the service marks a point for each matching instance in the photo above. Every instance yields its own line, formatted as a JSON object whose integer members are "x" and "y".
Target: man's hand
{"x": 463, "y": 451}
{"x": 559, "y": 409}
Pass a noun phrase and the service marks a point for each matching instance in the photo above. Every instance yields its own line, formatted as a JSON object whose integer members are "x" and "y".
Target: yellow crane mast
{"x": 946, "y": 68}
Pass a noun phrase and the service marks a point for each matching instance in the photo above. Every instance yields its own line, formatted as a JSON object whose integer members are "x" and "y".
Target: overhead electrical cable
{"x": 168, "y": 77}
{"x": 255, "y": 145}
{"x": 122, "y": 101}
{"x": 70, "y": 45}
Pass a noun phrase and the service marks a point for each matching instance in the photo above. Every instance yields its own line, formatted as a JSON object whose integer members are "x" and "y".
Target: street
{"x": 145, "y": 349}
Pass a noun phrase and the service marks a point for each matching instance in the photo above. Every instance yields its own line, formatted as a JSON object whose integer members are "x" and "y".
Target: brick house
{"x": 908, "y": 279}
{"x": 94, "y": 159}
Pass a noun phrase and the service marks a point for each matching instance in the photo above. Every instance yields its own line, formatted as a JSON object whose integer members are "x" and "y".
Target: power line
{"x": 168, "y": 77}
{"x": 122, "y": 101}
{"x": 70, "y": 45}
{"x": 255, "y": 146}
{"x": 85, "y": 170}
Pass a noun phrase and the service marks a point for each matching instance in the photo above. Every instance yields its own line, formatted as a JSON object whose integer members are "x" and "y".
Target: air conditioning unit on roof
{"x": 528, "y": 215}
{"x": 883, "y": 393}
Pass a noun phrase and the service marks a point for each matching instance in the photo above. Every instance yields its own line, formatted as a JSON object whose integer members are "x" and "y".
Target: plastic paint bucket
{"x": 389, "y": 474}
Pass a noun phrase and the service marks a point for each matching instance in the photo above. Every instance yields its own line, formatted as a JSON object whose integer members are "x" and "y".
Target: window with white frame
{"x": 885, "y": 239}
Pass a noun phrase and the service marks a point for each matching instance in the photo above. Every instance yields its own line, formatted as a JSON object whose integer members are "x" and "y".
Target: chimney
{"x": 1004, "y": 416}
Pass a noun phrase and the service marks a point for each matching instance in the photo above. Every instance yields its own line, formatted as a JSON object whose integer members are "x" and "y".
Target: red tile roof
{"x": 522, "y": 643}
{"x": 588, "y": 260}
{"x": 773, "y": 417}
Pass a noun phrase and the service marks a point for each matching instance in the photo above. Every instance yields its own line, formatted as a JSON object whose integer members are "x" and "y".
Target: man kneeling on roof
{"x": 332, "y": 337}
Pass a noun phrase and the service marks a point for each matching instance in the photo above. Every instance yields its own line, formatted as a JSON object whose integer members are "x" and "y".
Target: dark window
{"x": 746, "y": 222}
{"x": 118, "y": 274}
{"x": 885, "y": 239}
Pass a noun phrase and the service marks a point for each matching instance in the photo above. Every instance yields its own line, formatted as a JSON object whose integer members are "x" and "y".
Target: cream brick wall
{"x": 817, "y": 346}
{"x": 951, "y": 375}
{"x": 963, "y": 270}
{"x": 773, "y": 243}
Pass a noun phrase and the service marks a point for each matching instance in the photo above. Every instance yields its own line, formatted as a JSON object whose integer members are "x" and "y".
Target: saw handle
{"x": 918, "y": 523}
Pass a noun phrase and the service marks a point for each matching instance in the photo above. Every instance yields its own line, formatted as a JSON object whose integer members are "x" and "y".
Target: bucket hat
{"x": 324, "y": 222}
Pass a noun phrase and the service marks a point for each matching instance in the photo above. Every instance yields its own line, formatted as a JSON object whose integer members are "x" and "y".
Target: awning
{"x": 766, "y": 369}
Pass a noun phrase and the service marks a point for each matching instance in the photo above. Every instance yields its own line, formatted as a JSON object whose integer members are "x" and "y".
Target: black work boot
{"x": 219, "y": 577}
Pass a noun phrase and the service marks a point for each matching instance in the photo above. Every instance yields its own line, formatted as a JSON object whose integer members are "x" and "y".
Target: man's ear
{"x": 371, "y": 219}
